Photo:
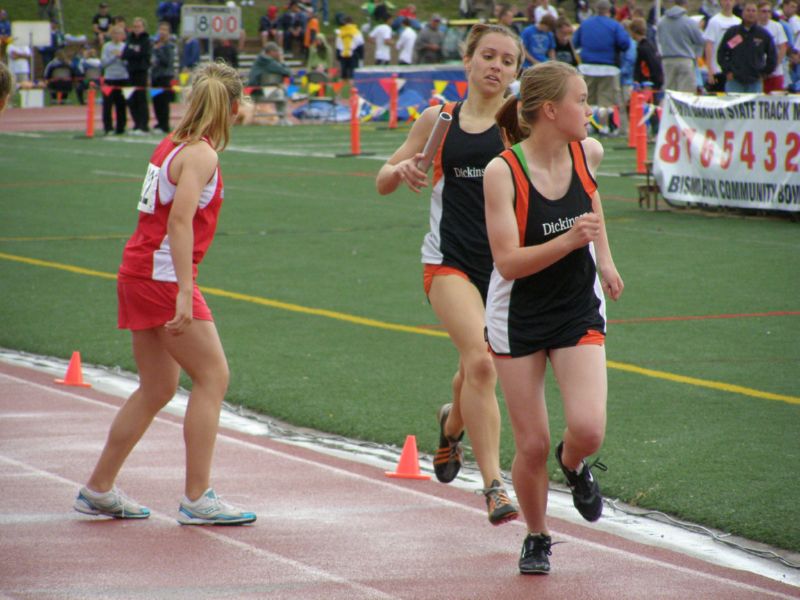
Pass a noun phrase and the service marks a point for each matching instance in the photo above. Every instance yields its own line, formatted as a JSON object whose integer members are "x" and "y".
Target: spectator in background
{"x": 88, "y": 70}
{"x": 121, "y": 21}
{"x": 311, "y": 32}
{"x": 46, "y": 10}
{"x": 382, "y": 36}
{"x": 506, "y": 16}
{"x": 648, "y": 68}
{"x": 625, "y": 12}
{"x": 349, "y": 42}
{"x": 137, "y": 55}
{"x": 115, "y": 74}
{"x": 428, "y": 47}
{"x": 320, "y": 55}
{"x": 583, "y": 11}
{"x": 325, "y": 10}
{"x": 5, "y": 33}
{"x": 410, "y": 13}
{"x": 773, "y": 82}
{"x": 715, "y": 29}
{"x": 270, "y": 60}
{"x": 793, "y": 69}
{"x": 60, "y": 77}
{"x": 405, "y": 43}
{"x": 565, "y": 51}
{"x": 101, "y": 25}
{"x": 543, "y": 9}
{"x": 681, "y": 42}
{"x": 709, "y": 8}
{"x": 161, "y": 75}
{"x": 600, "y": 40}
{"x": 19, "y": 56}
{"x": 268, "y": 27}
{"x": 789, "y": 15}
{"x": 293, "y": 26}
{"x": 226, "y": 51}
{"x": 57, "y": 42}
{"x": 170, "y": 12}
{"x": 746, "y": 54}
{"x": 539, "y": 42}
{"x": 627, "y": 65}
{"x": 190, "y": 56}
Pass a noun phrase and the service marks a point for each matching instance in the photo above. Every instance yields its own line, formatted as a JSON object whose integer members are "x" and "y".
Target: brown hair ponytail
{"x": 507, "y": 119}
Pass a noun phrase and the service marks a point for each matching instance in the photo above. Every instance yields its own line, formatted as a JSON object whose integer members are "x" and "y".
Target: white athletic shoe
{"x": 113, "y": 504}
{"x": 209, "y": 509}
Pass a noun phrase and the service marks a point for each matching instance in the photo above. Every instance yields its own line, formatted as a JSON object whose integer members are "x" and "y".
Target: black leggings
{"x": 137, "y": 103}
{"x": 161, "y": 101}
{"x": 115, "y": 101}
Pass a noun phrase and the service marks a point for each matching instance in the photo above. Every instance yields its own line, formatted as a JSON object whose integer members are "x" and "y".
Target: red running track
{"x": 327, "y": 528}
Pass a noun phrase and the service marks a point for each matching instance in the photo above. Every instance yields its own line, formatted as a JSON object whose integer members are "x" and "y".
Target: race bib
{"x": 147, "y": 201}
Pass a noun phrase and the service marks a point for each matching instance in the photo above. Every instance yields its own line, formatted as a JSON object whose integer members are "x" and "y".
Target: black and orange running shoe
{"x": 450, "y": 455}
{"x": 499, "y": 505}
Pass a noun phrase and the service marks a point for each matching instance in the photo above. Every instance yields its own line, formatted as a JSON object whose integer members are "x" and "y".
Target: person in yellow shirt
{"x": 349, "y": 47}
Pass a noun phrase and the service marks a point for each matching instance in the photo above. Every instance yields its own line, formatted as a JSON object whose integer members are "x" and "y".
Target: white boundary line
{"x": 284, "y": 455}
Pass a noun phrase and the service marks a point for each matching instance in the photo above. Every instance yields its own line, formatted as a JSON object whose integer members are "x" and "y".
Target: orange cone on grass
{"x": 74, "y": 375}
{"x": 408, "y": 467}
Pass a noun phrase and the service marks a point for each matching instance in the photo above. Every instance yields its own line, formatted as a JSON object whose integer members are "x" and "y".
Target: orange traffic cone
{"x": 408, "y": 467}
{"x": 74, "y": 375}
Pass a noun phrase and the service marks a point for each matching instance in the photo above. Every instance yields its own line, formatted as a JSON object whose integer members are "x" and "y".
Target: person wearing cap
{"x": 101, "y": 24}
{"x": 601, "y": 40}
{"x": 268, "y": 27}
{"x": 428, "y": 47}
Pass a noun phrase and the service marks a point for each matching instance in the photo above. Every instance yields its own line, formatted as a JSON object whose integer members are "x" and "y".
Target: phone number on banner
{"x": 739, "y": 151}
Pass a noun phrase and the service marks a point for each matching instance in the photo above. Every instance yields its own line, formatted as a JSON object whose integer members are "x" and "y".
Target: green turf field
{"x": 315, "y": 284}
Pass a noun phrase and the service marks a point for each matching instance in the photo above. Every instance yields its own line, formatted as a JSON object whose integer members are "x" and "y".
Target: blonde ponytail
{"x": 215, "y": 87}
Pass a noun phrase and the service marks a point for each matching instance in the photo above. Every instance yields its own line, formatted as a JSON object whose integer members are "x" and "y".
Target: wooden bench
{"x": 649, "y": 189}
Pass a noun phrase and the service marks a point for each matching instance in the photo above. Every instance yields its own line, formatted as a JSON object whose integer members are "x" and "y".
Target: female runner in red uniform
{"x": 159, "y": 301}
{"x": 456, "y": 251}
{"x": 548, "y": 238}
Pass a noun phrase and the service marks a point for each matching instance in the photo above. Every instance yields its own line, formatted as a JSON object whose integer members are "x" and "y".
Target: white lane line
{"x": 435, "y": 499}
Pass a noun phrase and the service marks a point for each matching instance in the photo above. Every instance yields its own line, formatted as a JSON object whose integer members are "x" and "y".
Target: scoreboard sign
{"x": 211, "y": 22}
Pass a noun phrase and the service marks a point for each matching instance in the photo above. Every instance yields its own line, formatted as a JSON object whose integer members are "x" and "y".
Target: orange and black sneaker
{"x": 450, "y": 455}
{"x": 499, "y": 505}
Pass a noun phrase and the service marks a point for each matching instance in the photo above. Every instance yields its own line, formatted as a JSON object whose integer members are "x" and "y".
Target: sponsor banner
{"x": 740, "y": 151}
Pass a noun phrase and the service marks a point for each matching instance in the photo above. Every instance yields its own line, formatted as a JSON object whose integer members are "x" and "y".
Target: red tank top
{"x": 147, "y": 253}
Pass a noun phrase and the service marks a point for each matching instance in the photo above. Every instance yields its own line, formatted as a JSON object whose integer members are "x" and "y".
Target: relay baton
{"x": 434, "y": 141}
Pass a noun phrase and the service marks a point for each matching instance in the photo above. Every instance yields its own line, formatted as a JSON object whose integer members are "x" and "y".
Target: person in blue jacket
{"x": 601, "y": 41}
